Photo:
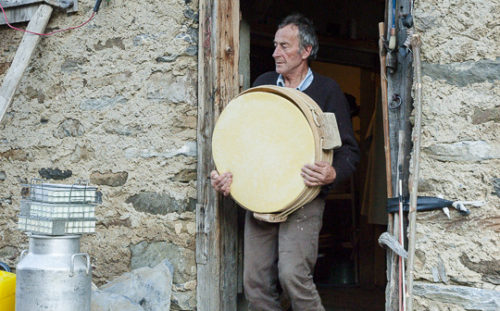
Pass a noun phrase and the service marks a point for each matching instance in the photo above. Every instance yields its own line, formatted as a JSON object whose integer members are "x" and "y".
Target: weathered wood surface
{"x": 415, "y": 43}
{"x": 207, "y": 232}
{"x": 228, "y": 84}
{"x": 19, "y": 11}
{"x": 400, "y": 103}
{"x": 385, "y": 113}
{"x": 23, "y": 57}
{"x": 218, "y": 83}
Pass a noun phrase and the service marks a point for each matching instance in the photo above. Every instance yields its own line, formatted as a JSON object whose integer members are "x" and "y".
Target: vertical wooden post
{"x": 218, "y": 83}
{"x": 23, "y": 55}
{"x": 415, "y": 43}
{"x": 399, "y": 83}
{"x": 207, "y": 213}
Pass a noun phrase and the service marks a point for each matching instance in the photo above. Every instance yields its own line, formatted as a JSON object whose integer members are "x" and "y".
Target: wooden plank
{"x": 207, "y": 234}
{"x": 218, "y": 83}
{"x": 22, "y": 57}
{"x": 228, "y": 81}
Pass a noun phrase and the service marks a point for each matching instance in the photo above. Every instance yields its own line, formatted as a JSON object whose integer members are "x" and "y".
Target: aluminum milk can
{"x": 53, "y": 275}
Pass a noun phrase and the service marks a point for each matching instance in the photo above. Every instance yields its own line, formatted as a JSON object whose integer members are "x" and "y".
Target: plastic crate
{"x": 51, "y": 226}
{"x": 7, "y": 291}
{"x": 59, "y": 193}
{"x": 57, "y": 210}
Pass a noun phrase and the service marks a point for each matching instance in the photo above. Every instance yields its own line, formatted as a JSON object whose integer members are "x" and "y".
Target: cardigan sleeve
{"x": 346, "y": 157}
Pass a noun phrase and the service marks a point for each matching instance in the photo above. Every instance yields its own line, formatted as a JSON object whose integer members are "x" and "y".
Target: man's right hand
{"x": 221, "y": 183}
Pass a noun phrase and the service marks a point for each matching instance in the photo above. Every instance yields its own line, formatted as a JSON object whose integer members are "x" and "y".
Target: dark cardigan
{"x": 328, "y": 95}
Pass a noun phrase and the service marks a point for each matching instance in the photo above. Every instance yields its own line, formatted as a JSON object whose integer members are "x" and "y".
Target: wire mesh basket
{"x": 57, "y": 210}
{"x": 58, "y": 193}
{"x": 51, "y": 226}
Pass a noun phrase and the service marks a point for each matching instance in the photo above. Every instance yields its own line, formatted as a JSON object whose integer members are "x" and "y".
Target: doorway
{"x": 350, "y": 272}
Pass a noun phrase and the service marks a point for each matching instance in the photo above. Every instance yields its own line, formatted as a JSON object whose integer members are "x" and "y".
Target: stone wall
{"x": 458, "y": 259}
{"x": 114, "y": 102}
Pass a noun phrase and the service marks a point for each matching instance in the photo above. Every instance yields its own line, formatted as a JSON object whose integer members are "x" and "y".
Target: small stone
{"x": 3, "y": 176}
{"x": 102, "y": 103}
{"x": 109, "y": 178}
{"x": 110, "y": 43}
{"x": 185, "y": 176}
{"x": 496, "y": 186}
{"x": 69, "y": 128}
{"x": 14, "y": 155}
{"x": 482, "y": 116}
{"x": 54, "y": 173}
{"x": 166, "y": 58}
{"x": 71, "y": 65}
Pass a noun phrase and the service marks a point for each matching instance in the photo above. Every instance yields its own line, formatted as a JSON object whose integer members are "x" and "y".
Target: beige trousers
{"x": 285, "y": 253}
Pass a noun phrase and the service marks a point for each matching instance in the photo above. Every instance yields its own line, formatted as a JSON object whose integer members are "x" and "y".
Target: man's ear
{"x": 306, "y": 52}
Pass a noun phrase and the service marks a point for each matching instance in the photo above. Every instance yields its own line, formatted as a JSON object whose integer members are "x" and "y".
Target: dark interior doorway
{"x": 350, "y": 272}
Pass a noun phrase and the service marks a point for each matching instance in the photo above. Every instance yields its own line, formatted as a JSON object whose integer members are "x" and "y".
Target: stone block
{"x": 54, "y": 173}
{"x": 145, "y": 289}
{"x": 490, "y": 269}
{"x": 150, "y": 253}
{"x": 468, "y": 151}
{"x": 464, "y": 73}
{"x": 468, "y": 298}
{"x": 109, "y": 178}
{"x": 159, "y": 203}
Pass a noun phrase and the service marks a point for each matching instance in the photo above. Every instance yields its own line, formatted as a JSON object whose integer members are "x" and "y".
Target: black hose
{"x": 97, "y": 5}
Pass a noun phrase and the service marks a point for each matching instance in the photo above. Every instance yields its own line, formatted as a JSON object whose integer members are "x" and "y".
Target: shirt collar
{"x": 303, "y": 85}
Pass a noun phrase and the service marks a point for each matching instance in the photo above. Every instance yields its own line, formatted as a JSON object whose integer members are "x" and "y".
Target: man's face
{"x": 287, "y": 55}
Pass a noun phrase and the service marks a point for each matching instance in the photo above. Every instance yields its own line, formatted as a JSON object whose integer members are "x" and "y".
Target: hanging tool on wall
{"x": 428, "y": 203}
{"x": 401, "y": 265}
{"x": 391, "y": 59}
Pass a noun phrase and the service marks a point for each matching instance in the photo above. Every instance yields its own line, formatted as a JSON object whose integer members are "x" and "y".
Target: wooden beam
{"x": 218, "y": 83}
{"x": 23, "y": 56}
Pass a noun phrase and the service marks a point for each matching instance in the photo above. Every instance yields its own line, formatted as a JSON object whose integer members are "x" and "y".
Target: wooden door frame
{"x": 216, "y": 218}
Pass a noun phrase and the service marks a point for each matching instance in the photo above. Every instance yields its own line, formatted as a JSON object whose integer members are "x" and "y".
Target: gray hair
{"x": 307, "y": 33}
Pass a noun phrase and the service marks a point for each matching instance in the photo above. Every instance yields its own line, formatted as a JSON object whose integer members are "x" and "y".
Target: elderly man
{"x": 286, "y": 252}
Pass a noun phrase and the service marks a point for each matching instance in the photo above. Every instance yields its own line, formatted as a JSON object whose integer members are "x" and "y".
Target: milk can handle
{"x": 72, "y": 269}
{"x": 23, "y": 253}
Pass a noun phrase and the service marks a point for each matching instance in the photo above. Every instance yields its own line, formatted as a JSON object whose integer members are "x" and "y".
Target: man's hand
{"x": 318, "y": 174}
{"x": 221, "y": 183}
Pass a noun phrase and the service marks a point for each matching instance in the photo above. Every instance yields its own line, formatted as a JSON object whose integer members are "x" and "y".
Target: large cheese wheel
{"x": 264, "y": 137}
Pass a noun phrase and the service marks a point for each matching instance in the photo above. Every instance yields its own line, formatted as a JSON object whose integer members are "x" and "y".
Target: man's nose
{"x": 276, "y": 51}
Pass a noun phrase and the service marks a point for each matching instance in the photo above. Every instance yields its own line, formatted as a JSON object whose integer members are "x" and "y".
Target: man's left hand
{"x": 318, "y": 174}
